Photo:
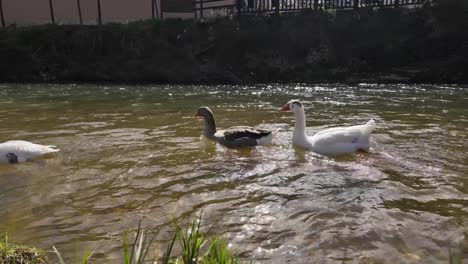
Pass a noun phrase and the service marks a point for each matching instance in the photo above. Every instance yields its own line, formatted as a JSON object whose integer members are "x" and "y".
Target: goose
{"x": 329, "y": 142}
{"x": 233, "y": 137}
{"x": 16, "y": 151}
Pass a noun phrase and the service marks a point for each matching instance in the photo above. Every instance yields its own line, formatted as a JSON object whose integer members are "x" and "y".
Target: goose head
{"x": 205, "y": 112}
{"x": 294, "y": 106}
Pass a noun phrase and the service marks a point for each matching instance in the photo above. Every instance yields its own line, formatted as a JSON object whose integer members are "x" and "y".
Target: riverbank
{"x": 191, "y": 243}
{"x": 423, "y": 45}
{"x": 12, "y": 253}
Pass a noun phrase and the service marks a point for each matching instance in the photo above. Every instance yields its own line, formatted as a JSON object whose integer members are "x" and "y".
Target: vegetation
{"x": 428, "y": 44}
{"x": 13, "y": 254}
{"x": 188, "y": 245}
{"x": 195, "y": 247}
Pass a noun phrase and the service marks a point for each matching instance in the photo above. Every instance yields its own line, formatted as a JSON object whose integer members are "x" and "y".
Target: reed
{"x": 193, "y": 247}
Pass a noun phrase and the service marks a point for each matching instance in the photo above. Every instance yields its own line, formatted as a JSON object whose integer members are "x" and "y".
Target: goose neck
{"x": 300, "y": 125}
{"x": 210, "y": 126}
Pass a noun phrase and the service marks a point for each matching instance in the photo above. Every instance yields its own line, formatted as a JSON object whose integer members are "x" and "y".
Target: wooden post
{"x": 239, "y": 4}
{"x": 99, "y": 12}
{"x": 201, "y": 8}
{"x": 78, "y": 4}
{"x": 156, "y": 8}
{"x": 195, "y": 9}
{"x": 1, "y": 14}
{"x": 51, "y": 7}
{"x": 161, "y": 6}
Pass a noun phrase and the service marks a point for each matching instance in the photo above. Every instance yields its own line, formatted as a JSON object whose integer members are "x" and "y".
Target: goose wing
{"x": 352, "y": 134}
{"x": 237, "y": 132}
{"x": 241, "y": 136}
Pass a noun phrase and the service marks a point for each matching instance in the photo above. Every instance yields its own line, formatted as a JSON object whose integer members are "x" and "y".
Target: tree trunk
{"x": 152, "y": 9}
{"x": 99, "y": 12}
{"x": 78, "y": 3}
{"x": 51, "y": 6}
{"x": 1, "y": 14}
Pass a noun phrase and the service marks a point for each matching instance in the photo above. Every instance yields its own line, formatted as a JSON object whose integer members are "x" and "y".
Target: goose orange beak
{"x": 286, "y": 107}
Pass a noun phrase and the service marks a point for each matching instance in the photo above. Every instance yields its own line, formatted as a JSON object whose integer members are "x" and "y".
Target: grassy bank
{"x": 428, "y": 44}
{"x": 12, "y": 254}
{"x": 189, "y": 244}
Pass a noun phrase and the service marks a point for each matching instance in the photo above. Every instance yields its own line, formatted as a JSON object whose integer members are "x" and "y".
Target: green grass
{"x": 140, "y": 247}
{"x": 188, "y": 245}
{"x": 194, "y": 246}
{"x": 198, "y": 247}
{"x": 12, "y": 254}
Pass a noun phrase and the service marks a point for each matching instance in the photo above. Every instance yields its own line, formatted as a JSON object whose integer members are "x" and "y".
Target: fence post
{"x": 239, "y": 7}
{"x": 1, "y": 14}
{"x": 195, "y": 9}
{"x": 156, "y": 12}
{"x": 162, "y": 8}
{"x": 51, "y": 7}
{"x": 78, "y": 4}
{"x": 99, "y": 12}
{"x": 201, "y": 8}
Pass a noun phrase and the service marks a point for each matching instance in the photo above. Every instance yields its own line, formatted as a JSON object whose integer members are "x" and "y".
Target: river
{"x": 134, "y": 152}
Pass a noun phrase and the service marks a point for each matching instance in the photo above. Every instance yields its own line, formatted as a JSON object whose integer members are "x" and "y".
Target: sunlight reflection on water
{"x": 135, "y": 151}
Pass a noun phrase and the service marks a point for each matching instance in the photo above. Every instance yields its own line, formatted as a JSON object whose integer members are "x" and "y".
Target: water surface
{"x": 135, "y": 152}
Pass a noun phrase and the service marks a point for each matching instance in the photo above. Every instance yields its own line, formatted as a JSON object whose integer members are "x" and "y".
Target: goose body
{"x": 20, "y": 151}
{"x": 233, "y": 137}
{"x": 330, "y": 142}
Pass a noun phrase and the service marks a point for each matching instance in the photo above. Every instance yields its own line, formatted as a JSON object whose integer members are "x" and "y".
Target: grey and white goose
{"x": 233, "y": 137}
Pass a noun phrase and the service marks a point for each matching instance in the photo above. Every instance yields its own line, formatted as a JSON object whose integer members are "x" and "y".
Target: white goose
{"x": 330, "y": 142}
{"x": 233, "y": 137}
{"x": 20, "y": 151}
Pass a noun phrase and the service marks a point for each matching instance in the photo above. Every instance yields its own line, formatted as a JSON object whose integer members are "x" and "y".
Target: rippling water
{"x": 129, "y": 152}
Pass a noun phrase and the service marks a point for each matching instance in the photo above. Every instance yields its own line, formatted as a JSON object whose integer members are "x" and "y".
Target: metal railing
{"x": 265, "y": 6}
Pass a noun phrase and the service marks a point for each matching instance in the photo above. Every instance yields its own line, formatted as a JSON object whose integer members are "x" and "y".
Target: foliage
{"x": 420, "y": 44}
{"x": 140, "y": 247}
{"x": 11, "y": 253}
{"x": 195, "y": 247}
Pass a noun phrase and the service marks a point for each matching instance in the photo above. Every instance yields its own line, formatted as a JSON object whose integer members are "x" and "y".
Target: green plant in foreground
{"x": 191, "y": 240}
{"x": 10, "y": 253}
{"x": 88, "y": 254}
{"x": 194, "y": 247}
{"x": 140, "y": 247}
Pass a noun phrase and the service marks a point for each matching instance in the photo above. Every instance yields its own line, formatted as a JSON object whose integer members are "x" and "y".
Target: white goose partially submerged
{"x": 20, "y": 151}
{"x": 233, "y": 137}
{"x": 330, "y": 142}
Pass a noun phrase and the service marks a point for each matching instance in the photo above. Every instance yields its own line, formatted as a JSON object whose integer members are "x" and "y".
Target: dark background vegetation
{"x": 427, "y": 44}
